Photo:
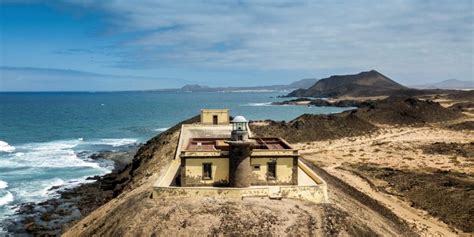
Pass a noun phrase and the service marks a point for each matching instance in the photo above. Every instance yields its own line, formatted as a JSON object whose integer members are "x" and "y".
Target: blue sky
{"x": 118, "y": 45}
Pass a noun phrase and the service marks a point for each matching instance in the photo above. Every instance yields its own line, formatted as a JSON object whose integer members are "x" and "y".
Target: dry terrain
{"x": 390, "y": 172}
{"x": 134, "y": 213}
{"x": 423, "y": 174}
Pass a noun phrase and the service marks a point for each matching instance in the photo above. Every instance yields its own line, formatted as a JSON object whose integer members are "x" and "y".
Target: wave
{"x": 259, "y": 104}
{"x": 57, "y": 182}
{"x": 57, "y": 154}
{"x": 7, "y": 198}
{"x": 5, "y": 147}
{"x": 116, "y": 142}
{"x": 161, "y": 129}
{"x": 38, "y": 190}
{"x": 60, "y": 154}
{"x": 3, "y": 184}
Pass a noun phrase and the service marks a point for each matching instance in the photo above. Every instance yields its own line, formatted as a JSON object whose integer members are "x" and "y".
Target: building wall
{"x": 286, "y": 171}
{"x": 222, "y": 116}
{"x": 191, "y": 172}
{"x": 316, "y": 194}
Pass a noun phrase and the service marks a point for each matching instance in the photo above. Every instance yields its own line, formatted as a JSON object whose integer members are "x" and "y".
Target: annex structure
{"x": 219, "y": 157}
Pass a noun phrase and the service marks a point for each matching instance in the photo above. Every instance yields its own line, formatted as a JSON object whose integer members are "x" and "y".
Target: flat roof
{"x": 218, "y": 144}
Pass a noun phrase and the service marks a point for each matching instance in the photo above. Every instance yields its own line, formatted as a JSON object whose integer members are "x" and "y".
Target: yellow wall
{"x": 222, "y": 116}
{"x": 284, "y": 170}
{"x": 220, "y": 171}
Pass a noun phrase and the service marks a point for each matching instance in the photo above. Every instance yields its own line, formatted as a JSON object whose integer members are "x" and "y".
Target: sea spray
{"x": 117, "y": 142}
{"x": 6, "y": 198}
{"x": 259, "y": 104}
{"x": 3, "y": 184}
{"x": 161, "y": 129}
{"x": 5, "y": 147}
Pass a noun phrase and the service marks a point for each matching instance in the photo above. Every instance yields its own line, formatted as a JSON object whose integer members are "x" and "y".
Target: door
{"x": 214, "y": 119}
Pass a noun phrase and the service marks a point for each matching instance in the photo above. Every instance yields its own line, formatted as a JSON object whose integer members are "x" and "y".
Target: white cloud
{"x": 402, "y": 38}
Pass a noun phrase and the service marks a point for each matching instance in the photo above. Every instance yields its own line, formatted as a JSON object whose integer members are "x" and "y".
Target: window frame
{"x": 204, "y": 173}
{"x": 272, "y": 175}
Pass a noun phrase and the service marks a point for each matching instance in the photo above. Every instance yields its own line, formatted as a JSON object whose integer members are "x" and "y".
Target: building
{"x": 215, "y": 116}
{"x": 221, "y": 158}
{"x": 238, "y": 160}
{"x": 218, "y": 162}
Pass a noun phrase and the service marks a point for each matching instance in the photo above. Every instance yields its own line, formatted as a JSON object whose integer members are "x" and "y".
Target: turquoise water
{"x": 45, "y": 138}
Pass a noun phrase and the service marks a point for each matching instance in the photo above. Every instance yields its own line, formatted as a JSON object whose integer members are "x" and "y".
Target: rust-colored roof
{"x": 213, "y": 144}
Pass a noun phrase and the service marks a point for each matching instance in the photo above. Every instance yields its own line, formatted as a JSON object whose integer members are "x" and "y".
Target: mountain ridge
{"x": 303, "y": 83}
{"x": 367, "y": 83}
{"x": 447, "y": 84}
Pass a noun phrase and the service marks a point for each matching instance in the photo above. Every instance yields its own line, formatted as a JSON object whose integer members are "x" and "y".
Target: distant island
{"x": 453, "y": 84}
{"x": 300, "y": 84}
{"x": 371, "y": 84}
{"x": 364, "y": 84}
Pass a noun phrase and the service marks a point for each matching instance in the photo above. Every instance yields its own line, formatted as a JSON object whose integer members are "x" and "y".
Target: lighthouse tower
{"x": 239, "y": 152}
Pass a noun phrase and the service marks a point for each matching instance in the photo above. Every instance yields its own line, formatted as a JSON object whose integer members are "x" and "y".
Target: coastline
{"x": 82, "y": 216}
{"x": 55, "y": 215}
{"x": 52, "y": 216}
{"x": 328, "y": 102}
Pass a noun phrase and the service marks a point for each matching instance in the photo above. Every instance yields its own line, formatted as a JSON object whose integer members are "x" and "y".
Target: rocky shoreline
{"x": 132, "y": 171}
{"x": 51, "y": 217}
{"x": 322, "y": 102}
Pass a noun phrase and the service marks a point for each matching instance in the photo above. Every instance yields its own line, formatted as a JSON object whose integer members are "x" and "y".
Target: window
{"x": 256, "y": 167}
{"x": 271, "y": 173}
{"x": 215, "y": 120}
{"x": 240, "y": 138}
{"x": 207, "y": 171}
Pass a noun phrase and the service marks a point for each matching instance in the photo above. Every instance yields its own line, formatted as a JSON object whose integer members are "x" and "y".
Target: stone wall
{"x": 207, "y": 116}
{"x": 286, "y": 171}
{"x": 191, "y": 172}
{"x": 317, "y": 194}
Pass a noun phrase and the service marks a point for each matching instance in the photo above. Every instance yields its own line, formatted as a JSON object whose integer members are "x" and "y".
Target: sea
{"x": 46, "y": 138}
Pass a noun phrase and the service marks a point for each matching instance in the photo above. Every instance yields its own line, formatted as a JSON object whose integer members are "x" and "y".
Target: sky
{"x": 132, "y": 45}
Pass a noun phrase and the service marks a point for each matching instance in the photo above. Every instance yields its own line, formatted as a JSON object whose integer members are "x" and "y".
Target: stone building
{"x": 220, "y": 158}
{"x": 237, "y": 160}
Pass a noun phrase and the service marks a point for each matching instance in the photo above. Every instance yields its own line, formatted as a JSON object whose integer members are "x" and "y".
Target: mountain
{"x": 195, "y": 87}
{"x": 448, "y": 84}
{"x": 370, "y": 83}
{"x": 303, "y": 83}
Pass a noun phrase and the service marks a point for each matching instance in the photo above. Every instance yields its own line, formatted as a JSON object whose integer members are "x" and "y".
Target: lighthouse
{"x": 240, "y": 149}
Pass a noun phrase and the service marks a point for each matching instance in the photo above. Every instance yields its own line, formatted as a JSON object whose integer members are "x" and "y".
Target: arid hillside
{"x": 368, "y": 166}
{"x": 370, "y": 83}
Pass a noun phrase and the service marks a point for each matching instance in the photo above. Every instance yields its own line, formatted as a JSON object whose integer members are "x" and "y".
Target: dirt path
{"x": 362, "y": 205}
{"x": 397, "y": 148}
{"x": 423, "y": 222}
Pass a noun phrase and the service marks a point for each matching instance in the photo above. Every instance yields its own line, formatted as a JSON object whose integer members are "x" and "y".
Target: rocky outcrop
{"x": 52, "y": 217}
{"x": 310, "y": 127}
{"x": 371, "y": 83}
{"x": 406, "y": 111}
{"x": 321, "y": 102}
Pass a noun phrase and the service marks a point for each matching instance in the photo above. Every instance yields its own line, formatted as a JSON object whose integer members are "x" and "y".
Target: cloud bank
{"x": 50, "y": 79}
{"x": 418, "y": 36}
{"x": 263, "y": 42}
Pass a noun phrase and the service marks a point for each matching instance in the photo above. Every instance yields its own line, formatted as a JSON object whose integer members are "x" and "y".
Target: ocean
{"x": 46, "y": 138}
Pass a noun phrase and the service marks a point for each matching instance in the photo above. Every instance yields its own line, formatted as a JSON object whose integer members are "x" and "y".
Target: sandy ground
{"x": 359, "y": 205}
{"x": 134, "y": 213}
{"x": 393, "y": 147}
{"x": 344, "y": 216}
{"x": 398, "y": 148}
{"x": 357, "y": 98}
